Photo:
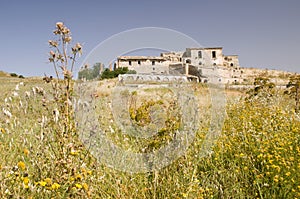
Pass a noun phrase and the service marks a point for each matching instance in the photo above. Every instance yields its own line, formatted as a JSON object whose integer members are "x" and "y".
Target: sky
{"x": 264, "y": 33}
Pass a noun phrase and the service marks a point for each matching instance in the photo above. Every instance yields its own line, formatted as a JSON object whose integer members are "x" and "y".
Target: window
{"x": 188, "y": 61}
{"x": 215, "y": 64}
{"x": 200, "y": 63}
{"x": 153, "y": 68}
{"x": 129, "y": 63}
{"x": 139, "y": 62}
{"x": 231, "y": 64}
{"x": 213, "y": 54}
{"x": 199, "y": 54}
{"x": 153, "y": 62}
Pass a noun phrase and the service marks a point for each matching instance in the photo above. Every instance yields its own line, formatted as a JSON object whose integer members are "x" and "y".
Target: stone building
{"x": 206, "y": 64}
{"x": 144, "y": 64}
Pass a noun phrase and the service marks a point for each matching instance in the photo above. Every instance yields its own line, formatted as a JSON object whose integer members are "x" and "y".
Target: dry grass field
{"x": 256, "y": 155}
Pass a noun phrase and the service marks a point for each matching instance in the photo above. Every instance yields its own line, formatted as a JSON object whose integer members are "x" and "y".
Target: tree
{"x": 90, "y": 73}
{"x": 108, "y": 74}
{"x": 263, "y": 87}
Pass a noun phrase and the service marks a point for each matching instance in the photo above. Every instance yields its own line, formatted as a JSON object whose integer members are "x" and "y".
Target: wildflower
{"x": 78, "y": 177}
{"x": 26, "y": 152}
{"x": 56, "y": 115}
{"x": 55, "y": 186}
{"x": 48, "y": 181}
{"x": 85, "y": 186}
{"x": 21, "y": 165}
{"x": 288, "y": 174}
{"x": 17, "y": 87}
{"x": 42, "y": 183}
{"x": 74, "y": 152}
{"x": 89, "y": 172}
{"x": 27, "y": 94}
{"x": 25, "y": 180}
{"x": 2, "y": 130}
{"x": 15, "y": 94}
{"x": 78, "y": 186}
{"x": 276, "y": 178}
{"x": 7, "y": 113}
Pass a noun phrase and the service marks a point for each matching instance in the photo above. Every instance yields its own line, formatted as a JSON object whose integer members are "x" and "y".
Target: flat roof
{"x": 141, "y": 58}
{"x": 209, "y": 48}
{"x": 230, "y": 55}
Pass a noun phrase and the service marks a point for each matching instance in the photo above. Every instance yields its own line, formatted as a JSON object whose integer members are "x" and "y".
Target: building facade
{"x": 207, "y": 64}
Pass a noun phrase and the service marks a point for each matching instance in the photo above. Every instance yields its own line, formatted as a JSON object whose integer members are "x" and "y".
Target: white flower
{"x": 15, "y": 94}
{"x": 27, "y": 94}
{"x": 7, "y": 113}
{"x": 55, "y": 115}
{"x": 17, "y": 87}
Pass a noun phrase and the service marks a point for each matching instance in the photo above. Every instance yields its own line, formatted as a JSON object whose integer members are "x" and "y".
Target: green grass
{"x": 256, "y": 156}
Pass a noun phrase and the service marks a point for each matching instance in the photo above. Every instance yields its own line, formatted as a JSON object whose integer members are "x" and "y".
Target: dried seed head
{"x": 67, "y": 39}
{"x": 59, "y": 25}
{"x": 52, "y": 54}
{"x": 67, "y": 74}
{"x": 53, "y": 43}
{"x": 66, "y": 30}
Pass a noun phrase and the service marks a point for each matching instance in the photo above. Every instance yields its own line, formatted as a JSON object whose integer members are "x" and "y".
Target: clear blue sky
{"x": 264, "y": 33}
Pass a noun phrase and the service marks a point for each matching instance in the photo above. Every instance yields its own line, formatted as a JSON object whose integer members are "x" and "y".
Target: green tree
{"x": 90, "y": 73}
{"x": 108, "y": 74}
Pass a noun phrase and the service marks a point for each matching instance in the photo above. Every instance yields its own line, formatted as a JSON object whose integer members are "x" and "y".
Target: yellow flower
{"x": 48, "y": 181}
{"x": 85, "y": 186}
{"x": 55, "y": 186}
{"x": 89, "y": 172}
{"x": 25, "y": 180}
{"x": 2, "y": 130}
{"x": 78, "y": 177}
{"x": 42, "y": 183}
{"x": 288, "y": 174}
{"x": 78, "y": 186}
{"x": 26, "y": 152}
{"x": 21, "y": 165}
{"x": 74, "y": 152}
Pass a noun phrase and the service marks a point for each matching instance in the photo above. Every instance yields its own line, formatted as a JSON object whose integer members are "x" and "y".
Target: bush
{"x": 13, "y": 75}
{"x": 107, "y": 74}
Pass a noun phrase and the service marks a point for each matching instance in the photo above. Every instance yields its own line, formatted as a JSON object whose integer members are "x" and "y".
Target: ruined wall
{"x": 231, "y": 61}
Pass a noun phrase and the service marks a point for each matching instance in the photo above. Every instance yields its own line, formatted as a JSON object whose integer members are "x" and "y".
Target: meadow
{"x": 255, "y": 156}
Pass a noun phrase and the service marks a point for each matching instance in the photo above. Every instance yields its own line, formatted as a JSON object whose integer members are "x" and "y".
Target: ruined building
{"x": 203, "y": 64}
